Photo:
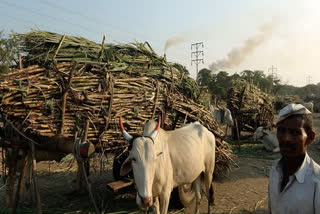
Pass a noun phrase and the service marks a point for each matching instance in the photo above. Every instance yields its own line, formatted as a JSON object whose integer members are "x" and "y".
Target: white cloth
{"x": 292, "y": 109}
{"x": 301, "y": 195}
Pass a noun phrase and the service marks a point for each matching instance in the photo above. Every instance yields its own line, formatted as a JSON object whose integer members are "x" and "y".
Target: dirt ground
{"x": 244, "y": 190}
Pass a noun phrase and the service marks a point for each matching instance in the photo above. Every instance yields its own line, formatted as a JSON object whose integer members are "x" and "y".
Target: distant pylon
{"x": 273, "y": 71}
{"x": 197, "y": 54}
{"x": 309, "y": 80}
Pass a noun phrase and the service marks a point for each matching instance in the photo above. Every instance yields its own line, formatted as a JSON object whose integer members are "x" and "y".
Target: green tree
{"x": 204, "y": 77}
{"x": 181, "y": 68}
{"x": 8, "y": 52}
{"x": 247, "y": 75}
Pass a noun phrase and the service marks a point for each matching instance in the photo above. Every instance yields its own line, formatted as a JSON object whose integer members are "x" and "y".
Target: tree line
{"x": 219, "y": 83}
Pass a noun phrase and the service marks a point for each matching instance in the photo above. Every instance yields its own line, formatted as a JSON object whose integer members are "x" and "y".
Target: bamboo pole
{"x": 20, "y": 62}
{"x": 35, "y": 179}
{"x": 12, "y": 160}
{"x": 102, "y": 48}
{"x": 86, "y": 129}
{"x": 111, "y": 100}
{"x": 85, "y": 167}
{"x": 64, "y": 97}
{"x": 59, "y": 46}
{"x": 89, "y": 187}
{"x": 20, "y": 185}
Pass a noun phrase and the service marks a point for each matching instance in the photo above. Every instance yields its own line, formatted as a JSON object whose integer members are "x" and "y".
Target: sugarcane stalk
{"x": 59, "y": 46}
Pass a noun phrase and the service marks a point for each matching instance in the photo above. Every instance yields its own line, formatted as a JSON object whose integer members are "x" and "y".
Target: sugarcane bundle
{"x": 250, "y": 106}
{"x": 70, "y": 81}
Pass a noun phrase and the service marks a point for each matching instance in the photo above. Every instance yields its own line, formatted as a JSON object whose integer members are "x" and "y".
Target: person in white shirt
{"x": 294, "y": 182}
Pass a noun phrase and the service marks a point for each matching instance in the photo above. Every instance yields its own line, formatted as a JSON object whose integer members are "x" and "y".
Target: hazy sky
{"x": 237, "y": 34}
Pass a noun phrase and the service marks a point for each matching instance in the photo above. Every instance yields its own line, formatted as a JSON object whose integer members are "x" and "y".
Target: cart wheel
{"x": 117, "y": 163}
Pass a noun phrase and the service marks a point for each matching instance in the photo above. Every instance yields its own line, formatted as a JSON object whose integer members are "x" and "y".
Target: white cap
{"x": 292, "y": 109}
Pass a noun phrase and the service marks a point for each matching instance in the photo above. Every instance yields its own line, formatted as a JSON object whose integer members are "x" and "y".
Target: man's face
{"x": 292, "y": 137}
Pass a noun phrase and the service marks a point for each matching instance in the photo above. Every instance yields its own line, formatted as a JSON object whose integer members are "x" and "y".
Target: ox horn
{"x": 125, "y": 134}
{"x": 155, "y": 131}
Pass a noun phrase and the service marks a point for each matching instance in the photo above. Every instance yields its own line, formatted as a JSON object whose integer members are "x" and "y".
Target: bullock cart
{"x": 70, "y": 90}
{"x": 250, "y": 107}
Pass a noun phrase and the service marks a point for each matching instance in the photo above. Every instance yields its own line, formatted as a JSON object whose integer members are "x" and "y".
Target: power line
{"x": 65, "y": 21}
{"x": 30, "y": 23}
{"x": 196, "y": 54}
{"x": 97, "y": 21}
{"x": 48, "y": 16}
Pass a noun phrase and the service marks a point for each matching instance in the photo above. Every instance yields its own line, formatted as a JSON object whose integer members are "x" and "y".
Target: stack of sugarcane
{"x": 250, "y": 106}
{"x": 69, "y": 81}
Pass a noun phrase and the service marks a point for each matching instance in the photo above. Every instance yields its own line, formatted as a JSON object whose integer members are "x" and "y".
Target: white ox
{"x": 267, "y": 138}
{"x": 162, "y": 160}
{"x": 309, "y": 105}
{"x": 222, "y": 115}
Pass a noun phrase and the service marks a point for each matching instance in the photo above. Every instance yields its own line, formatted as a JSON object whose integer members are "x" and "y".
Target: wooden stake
{"x": 110, "y": 102}
{"x": 78, "y": 181}
{"x": 86, "y": 129}
{"x": 64, "y": 98}
{"x": 80, "y": 161}
{"x": 12, "y": 159}
{"x": 237, "y": 133}
{"x": 60, "y": 43}
{"x": 185, "y": 119}
{"x": 102, "y": 48}
{"x": 20, "y": 185}
{"x": 111, "y": 85}
{"x": 20, "y": 62}
{"x": 63, "y": 112}
{"x": 35, "y": 180}
{"x": 89, "y": 187}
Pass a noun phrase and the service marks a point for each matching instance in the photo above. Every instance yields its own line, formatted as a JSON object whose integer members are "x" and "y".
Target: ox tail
{"x": 211, "y": 194}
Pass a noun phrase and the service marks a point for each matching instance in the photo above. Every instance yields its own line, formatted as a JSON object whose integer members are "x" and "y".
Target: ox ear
{"x": 156, "y": 130}
{"x": 265, "y": 132}
{"x": 126, "y": 167}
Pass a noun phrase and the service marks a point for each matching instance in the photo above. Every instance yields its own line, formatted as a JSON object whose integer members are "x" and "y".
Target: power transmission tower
{"x": 273, "y": 71}
{"x": 309, "y": 80}
{"x": 196, "y": 54}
